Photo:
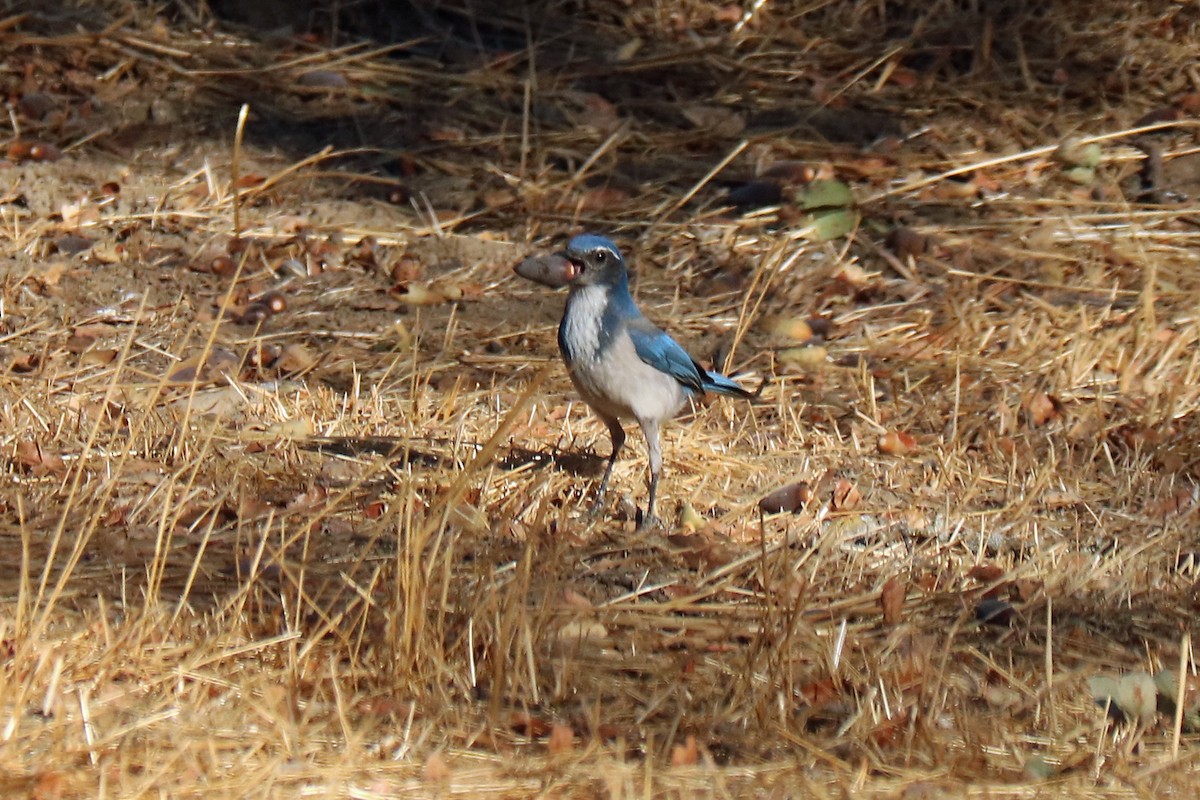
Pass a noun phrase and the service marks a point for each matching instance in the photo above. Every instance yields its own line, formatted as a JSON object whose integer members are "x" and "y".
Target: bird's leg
{"x": 654, "y": 448}
{"x": 618, "y": 441}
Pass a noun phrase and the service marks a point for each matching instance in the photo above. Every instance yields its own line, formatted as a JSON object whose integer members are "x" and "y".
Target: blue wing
{"x": 665, "y": 354}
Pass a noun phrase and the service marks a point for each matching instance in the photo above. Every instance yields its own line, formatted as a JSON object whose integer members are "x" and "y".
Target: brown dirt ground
{"x": 293, "y": 500}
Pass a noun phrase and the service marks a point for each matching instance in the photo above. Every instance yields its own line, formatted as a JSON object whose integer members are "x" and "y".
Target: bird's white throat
{"x": 583, "y": 320}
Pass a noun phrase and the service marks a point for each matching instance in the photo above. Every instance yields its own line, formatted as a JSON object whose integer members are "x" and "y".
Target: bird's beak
{"x": 572, "y": 269}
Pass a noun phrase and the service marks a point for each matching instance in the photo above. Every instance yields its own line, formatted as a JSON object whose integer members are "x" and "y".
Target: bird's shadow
{"x": 404, "y": 452}
{"x": 585, "y": 465}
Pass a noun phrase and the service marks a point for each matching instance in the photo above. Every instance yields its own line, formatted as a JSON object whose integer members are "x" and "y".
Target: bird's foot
{"x": 647, "y": 522}
{"x": 596, "y": 507}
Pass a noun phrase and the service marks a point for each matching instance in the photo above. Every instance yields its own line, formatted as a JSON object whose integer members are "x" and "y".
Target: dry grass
{"x": 339, "y": 550}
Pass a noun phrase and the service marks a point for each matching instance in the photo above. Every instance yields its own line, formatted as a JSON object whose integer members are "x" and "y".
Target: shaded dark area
{"x": 512, "y": 457}
{"x": 572, "y": 47}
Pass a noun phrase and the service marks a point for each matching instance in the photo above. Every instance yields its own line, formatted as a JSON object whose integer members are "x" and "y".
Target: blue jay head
{"x": 594, "y": 260}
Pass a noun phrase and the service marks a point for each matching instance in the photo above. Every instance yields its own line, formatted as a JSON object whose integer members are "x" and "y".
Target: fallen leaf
{"x": 1024, "y": 589}
{"x": 108, "y": 252}
{"x": 295, "y": 358}
{"x": 853, "y": 276}
{"x": 1042, "y": 408}
{"x": 52, "y": 274}
{"x": 300, "y": 428}
{"x": 954, "y": 189}
{"x": 49, "y": 785}
{"x": 1178, "y": 502}
{"x": 897, "y": 443}
{"x": 185, "y": 371}
{"x": 891, "y": 599}
{"x": 986, "y": 573}
{"x": 418, "y": 294}
{"x": 1083, "y": 176}
{"x": 98, "y": 358}
{"x": 38, "y": 460}
{"x": 686, "y": 754}
{"x": 70, "y": 244}
{"x": 907, "y": 243}
{"x": 999, "y": 697}
{"x": 820, "y": 692}
{"x": 527, "y": 724}
{"x": 829, "y": 224}
{"x": 603, "y": 199}
{"x": 79, "y": 213}
{"x": 600, "y": 114}
{"x": 904, "y": 77}
{"x": 116, "y": 516}
{"x": 407, "y": 269}
{"x": 22, "y": 363}
{"x": 995, "y": 612}
{"x": 790, "y": 499}
{"x": 574, "y": 599}
{"x": 824, "y": 194}
{"x": 809, "y": 357}
{"x": 498, "y": 198}
{"x": 1038, "y": 768}
{"x": 690, "y": 519}
{"x": 846, "y": 496}
{"x": 886, "y": 731}
{"x": 313, "y": 498}
{"x": 795, "y": 329}
{"x": 562, "y": 740}
{"x": 717, "y": 120}
{"x": 36, "y": 105}
{"x": 1104, "y": 692}
{"x": 699, "y": 550}
{"x": 627, "y": 51}
{"x": 582, "y": 630}
{"x": 1074, "y": 154}
{"x": 436, "y": 769}
{"x": 728, "y": 14}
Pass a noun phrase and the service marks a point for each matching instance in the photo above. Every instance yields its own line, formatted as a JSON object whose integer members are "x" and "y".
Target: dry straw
{"x": 337, "y": 547}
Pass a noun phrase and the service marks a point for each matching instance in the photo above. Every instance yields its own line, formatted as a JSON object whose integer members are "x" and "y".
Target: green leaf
{"x": 831, "y": 223}
{"x": 1074, "y": 154}
{"x": 1038, "y": 768}
{"x": 824, "y": 194}
{"x": 1081, "y": 175}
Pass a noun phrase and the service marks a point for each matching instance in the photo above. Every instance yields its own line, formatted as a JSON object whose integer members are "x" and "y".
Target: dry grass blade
{"x": 295, "y": 485}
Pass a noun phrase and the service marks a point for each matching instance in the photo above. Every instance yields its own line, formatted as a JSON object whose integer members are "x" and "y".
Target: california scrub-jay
{"x": 621, "y": 363}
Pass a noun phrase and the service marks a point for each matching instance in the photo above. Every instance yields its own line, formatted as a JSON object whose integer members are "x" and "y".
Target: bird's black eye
{"x": 601, "y": 256}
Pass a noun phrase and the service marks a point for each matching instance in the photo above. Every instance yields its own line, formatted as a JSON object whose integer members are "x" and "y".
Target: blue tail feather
{"x": 718, "y": 383}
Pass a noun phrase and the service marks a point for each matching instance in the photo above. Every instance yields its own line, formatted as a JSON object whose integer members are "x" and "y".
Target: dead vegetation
{"x": 294, "y": 486}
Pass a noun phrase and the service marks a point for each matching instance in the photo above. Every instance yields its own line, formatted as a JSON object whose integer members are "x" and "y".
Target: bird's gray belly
{"x": 617, "y": 383}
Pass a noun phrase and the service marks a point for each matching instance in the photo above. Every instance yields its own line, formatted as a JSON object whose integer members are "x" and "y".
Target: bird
{"x": 623, "y": 365}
